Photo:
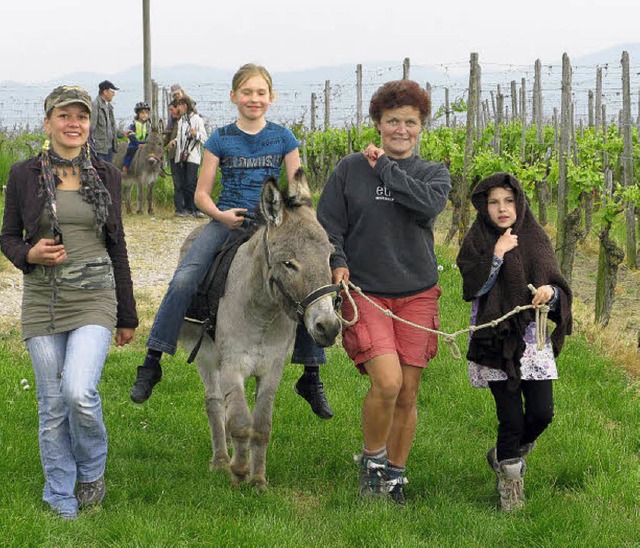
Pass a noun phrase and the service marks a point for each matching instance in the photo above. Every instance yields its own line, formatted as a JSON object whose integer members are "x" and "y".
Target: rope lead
{"x": 542, "y": 312}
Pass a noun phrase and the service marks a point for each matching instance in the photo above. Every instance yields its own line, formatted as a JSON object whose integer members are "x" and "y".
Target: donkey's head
{"x": 153, "y": 150}
{"x": 297, "y": 250}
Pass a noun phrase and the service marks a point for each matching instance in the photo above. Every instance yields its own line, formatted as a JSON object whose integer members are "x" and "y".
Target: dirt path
{"x": 154, "y": 244}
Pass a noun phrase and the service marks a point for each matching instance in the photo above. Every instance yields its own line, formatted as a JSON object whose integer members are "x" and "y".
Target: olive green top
{"x": 78, "y": 292}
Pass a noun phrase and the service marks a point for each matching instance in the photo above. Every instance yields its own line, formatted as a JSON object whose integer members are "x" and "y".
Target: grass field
{"x": 582, "y": 482}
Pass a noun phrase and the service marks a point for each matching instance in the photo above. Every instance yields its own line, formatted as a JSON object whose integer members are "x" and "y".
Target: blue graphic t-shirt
{"x": 246, "y": 160}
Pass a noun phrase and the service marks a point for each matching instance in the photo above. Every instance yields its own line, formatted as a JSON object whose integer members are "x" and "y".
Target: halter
{"x": 301, "y": 306}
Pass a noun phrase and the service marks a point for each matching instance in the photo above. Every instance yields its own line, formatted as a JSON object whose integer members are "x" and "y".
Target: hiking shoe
{"x": 314, "y": 394}
{"x": 511, "y": 484}
{"x": 198, "y": 215}
{"x": 146, "y": 379}
{"x": 91, "y": 493}
{"x": 395, "y": 489}
{"x": 373, "y": 478}
{"x": 180, "y": 214}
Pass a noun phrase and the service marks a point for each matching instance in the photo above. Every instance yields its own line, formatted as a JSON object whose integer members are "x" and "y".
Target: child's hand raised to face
{"x": 505, "y": 243}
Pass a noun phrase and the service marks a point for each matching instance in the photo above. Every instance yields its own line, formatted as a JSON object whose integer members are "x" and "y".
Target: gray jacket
{"x": 103, "y": 126}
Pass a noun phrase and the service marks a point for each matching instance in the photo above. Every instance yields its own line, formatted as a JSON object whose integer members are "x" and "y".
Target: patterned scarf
{"x": 92, "y": 188}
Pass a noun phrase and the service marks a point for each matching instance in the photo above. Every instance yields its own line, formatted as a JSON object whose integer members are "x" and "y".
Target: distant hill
{"x": 21, "y": 104}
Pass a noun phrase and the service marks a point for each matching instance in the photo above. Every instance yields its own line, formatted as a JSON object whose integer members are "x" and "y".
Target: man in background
{"x": 103, "y": 122}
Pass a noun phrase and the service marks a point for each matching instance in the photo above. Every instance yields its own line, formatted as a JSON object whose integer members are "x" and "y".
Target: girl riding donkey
{"x": 246, "y": 151}
{"x": 504, "y": 251}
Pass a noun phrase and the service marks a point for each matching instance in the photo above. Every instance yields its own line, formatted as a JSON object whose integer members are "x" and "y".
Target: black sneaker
{"x": 91, "y": 493}
{"x": 395, "y": 487}
{"x": 146, "y": 379}
{"x": 314, "y": 394}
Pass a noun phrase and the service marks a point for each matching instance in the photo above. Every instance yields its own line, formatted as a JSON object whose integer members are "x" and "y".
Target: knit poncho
{"x": 533, "y": 262}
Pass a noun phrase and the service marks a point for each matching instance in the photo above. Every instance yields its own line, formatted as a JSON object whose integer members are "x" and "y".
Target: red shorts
{"x": 375, "y": 333}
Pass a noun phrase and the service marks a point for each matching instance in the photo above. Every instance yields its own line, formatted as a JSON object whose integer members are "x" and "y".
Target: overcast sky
{"x": 45, "y": 39}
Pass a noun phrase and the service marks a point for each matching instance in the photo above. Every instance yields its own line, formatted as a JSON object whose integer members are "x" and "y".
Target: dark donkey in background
{"x": 144, "y": 171}
{"x": 280, "y": 276}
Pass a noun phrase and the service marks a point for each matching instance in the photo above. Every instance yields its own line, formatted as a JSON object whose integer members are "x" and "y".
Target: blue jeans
{"x": 72, "y": 435}
{"x": 183, "y": 286}
{"x": 305, "y": 350}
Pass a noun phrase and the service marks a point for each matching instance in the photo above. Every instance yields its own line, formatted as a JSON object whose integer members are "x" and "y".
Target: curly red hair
{"x": 400, "y": 93}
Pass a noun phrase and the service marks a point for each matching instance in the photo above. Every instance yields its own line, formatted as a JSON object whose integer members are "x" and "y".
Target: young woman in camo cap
{"x": 63, "y": 228}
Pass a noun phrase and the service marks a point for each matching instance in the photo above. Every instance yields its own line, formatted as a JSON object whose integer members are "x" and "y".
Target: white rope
{"x": 541, "y": 320}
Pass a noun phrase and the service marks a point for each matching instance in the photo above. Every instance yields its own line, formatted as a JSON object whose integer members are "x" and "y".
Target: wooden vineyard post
{"x": 627, "y": 163}
{"x": 479, "y": 118}
{"x": 472, "y": 106}
{"x": 447, "y": 108}
{"x": 358, "y": 99}
{"x": 609, "y": 258}
{"x": 523, "y": 117}
{"x": 563, "y": 152}
{"x": 327, "y": 105}
{"x": 430, "y": 94}
{"x": 312, "y": 123}
{"x": 460, "y": 192}
{"x": 537, "y": 119}
{"x": 598, "y": 107}
{"x": 499, "y": 120}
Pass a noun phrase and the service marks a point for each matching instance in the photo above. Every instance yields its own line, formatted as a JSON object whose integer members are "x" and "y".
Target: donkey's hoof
{"x": 238, "y": 479}
{"x": 260, "y": 483}
{"x": 220, "y": 463}
{"x": 239, "y": 474}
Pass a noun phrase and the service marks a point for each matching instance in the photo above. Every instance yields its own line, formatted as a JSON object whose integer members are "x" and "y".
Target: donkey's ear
{"x": 271, "y": 203}
{"x": 299, "y": 191}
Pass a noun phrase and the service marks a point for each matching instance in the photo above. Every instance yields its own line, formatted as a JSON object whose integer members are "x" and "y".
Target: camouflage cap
{"x": 67, "y": 95}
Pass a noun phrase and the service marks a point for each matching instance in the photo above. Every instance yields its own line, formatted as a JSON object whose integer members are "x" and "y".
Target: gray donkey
{"x": 144, "y": 171}
{"x": 280, "y": 276}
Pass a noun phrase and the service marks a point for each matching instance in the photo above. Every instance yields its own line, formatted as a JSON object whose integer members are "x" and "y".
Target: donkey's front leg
{"x": 140, "y": 196}
{"x": 215, "y": 413}
{"x": 262, "y": 422}
{"x": 239, "y": 428}
{"x": 127, "y": 189}
{"x": 150, "y": 184}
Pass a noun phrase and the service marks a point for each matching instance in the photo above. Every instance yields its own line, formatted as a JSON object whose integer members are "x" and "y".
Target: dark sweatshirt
{"x": 380, "y": 221}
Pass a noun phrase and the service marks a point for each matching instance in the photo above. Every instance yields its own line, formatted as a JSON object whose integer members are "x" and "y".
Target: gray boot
{"x": 492, "y": 457}
{"x": 527, "y": 448}
{"x": 510, "y": 473}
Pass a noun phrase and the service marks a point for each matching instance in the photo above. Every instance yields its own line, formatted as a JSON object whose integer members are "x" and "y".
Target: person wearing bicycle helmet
{"x": 136, "y": 133}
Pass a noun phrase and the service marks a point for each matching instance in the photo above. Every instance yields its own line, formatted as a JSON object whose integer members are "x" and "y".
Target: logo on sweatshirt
{"x": 384, "y": 194}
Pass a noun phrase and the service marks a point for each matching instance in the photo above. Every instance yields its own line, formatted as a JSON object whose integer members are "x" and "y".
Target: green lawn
{"x": 582, "y": 482}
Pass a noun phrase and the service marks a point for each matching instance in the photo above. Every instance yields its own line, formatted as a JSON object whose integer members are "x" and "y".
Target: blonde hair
{"x": 249, "y": 71}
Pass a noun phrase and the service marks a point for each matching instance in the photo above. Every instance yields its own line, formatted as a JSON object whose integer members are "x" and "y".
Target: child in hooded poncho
{"x": 505, "y": 250}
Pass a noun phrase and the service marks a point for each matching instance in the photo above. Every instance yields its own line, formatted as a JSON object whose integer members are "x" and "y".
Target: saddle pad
{"x": 204, "y": 304}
